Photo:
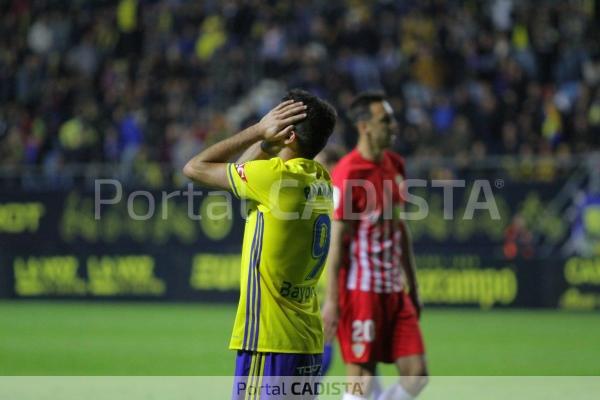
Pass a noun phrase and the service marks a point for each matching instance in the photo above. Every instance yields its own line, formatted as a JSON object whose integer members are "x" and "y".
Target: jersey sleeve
{"x": 400, "y": 166}
{"x": 255, "y": 180}
{"x": 398, "y": 162}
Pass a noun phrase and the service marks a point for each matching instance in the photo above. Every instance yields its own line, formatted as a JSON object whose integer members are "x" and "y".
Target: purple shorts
{"x": 276, "y": 375}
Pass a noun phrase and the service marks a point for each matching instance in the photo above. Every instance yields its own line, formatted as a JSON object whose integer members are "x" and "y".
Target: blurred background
{"x": 502, "y": 91}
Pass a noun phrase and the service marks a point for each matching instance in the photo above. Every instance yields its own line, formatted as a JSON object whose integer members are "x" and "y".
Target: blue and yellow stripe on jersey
{"x": 284, "y": 251}
{"x": 252, "y": 325}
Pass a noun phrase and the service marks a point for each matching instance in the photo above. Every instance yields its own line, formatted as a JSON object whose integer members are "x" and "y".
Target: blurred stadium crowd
{"x": 134, "y": 81}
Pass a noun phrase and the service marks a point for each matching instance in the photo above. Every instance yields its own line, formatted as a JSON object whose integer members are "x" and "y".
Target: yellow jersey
{"x": 286, "y": 241}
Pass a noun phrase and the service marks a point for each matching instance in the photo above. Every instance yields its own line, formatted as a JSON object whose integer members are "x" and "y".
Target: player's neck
{"x": 287, "y": 154}
{"x": 368, "y": 152}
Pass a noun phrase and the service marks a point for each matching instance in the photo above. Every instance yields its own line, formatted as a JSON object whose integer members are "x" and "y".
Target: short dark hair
{"x": 360, "y": 106}
{"x": 313, "y": 131}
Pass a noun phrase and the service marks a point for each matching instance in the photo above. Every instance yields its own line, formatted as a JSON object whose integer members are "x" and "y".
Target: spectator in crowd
{"x": 469, "y": 79}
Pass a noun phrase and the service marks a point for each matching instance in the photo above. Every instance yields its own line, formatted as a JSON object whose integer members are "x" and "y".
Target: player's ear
{"x": 291, "y": 138}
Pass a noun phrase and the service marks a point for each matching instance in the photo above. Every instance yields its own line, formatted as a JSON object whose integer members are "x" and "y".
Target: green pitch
{"x": 190, "y": 339}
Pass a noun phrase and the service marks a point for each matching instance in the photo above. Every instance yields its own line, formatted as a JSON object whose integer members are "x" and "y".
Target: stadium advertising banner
{"x": 187, "y": 248}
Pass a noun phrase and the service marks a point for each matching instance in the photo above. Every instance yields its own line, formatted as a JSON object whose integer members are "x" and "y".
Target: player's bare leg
{"x": 361, "y": 374}
{"x": 413, "y": 373}
{"x": 413, "y": 378}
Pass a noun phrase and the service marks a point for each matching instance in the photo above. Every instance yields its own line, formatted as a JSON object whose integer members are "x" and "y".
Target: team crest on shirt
{"x": 358, "y": 349}
{"x": 241, "y": 172}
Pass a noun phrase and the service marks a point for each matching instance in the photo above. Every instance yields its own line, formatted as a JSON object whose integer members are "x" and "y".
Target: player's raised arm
{"x": 209, "y": 167}
{"x": 334, "y": 260}
{"x": 254, "y": 152}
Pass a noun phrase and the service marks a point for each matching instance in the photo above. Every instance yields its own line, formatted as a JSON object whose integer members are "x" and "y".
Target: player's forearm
{"x": 254, "y": 152}
{"x": 208, "y": 167}
{"x": 334, "y": 260}
{"x": 411, "y": 274}
{"x": 224, "y": 150}
{"x": 408, "y": 262}
{"x": 333, "y": 268}
{"x": 331, "y": 306}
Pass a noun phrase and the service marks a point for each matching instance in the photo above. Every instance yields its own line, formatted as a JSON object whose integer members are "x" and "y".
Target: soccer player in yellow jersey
{"x": 278, "y": 329}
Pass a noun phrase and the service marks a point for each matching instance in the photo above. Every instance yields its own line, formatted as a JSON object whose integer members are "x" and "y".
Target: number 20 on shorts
{"x": 363, "y": 331}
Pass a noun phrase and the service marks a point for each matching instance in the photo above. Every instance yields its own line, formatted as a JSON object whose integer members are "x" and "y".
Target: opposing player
{"x": 278, "y": 329}
{"x": 372, "y": 297}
